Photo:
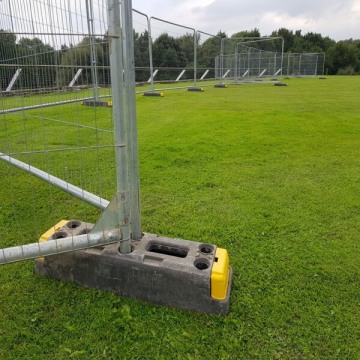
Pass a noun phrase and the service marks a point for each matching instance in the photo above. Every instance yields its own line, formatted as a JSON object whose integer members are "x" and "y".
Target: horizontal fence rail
{"x": 57, "y": 246}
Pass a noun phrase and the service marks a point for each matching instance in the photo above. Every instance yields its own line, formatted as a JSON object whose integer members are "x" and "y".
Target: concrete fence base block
{"x": 195, "y": 89}
{"x": 95, "y": 103}
{"x": 280, "y": 84}
{"x": 151, "y": 93}
{"x": 172, "y": 272}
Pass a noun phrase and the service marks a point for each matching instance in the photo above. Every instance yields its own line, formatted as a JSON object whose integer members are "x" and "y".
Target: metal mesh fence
{"x": 57, "y": 117}
{"x": 174, "y": 50}
{"x": 54, "y": 71}
{"x": 142, "y": 38}
{"x": 209, "y": 47}
{"x": 250, "y": 59}
{"x": 304, "y": 64}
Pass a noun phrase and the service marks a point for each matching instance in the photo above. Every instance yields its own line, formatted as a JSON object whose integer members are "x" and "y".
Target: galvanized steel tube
{"x": 57, "y": 246}
{"x": 130, "y": 117}
{"x": 77, "y": 192}
{"x": 119, "y": 114}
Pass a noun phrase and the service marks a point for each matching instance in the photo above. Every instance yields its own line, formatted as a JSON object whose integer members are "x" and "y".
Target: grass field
{"x": 270, "y": 173}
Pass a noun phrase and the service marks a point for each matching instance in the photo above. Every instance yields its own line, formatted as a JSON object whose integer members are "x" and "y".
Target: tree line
{"x": 44, "y": 66}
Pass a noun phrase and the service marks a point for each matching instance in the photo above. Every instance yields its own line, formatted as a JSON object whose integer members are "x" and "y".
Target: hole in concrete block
{"x": 168, "y": 250}
{"x": 202, "y": 264}
{"x": 206, "y": 248}
{"x": 58, "y": 235}
{"x": 73, "y": 224}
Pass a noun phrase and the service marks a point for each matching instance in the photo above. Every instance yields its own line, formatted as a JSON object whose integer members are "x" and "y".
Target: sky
{"x": 338, "y": 19}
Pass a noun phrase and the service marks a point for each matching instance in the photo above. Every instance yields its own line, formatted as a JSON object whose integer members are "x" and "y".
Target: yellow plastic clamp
{"x": 220, "y": 275}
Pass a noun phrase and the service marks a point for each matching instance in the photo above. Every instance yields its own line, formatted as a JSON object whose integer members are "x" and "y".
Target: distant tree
{"x": 7, "y": 44}
{"x": 209, "y": 49}
{"x": 341, "y": 56}
{"x": 37, "y": 60}
{"x": 298, "y": 43}
{"x": 168, "y": 54}
{"x": 8, "y": 54}
{"x": 314, "y": 42}
{"x": 141, "y": 53}
{"x": 79, "y": 56}
{"x": 186, "y": 43}
{"x": 247, "y": 33}
{"x": 288, "y": 37}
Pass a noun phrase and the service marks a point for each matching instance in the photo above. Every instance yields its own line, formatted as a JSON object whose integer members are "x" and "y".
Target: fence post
{"x": 130, "y": 113}
{"x": 222, "y": 61}
{"x": 236, "y": 62}
{"x": 90, "y": 23}
{"x": 150, "y": 55}
{"x": 288, "y": 65}
{"x": 282, "y": 54}
{"x": 120, "y": 131}
{"x": 195, "y": 56}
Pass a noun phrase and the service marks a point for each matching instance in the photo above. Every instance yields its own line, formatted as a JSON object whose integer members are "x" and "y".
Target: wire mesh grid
{"x": 178, "y": 64}
{"x": 209, "y": 49}
{"x": 304, "y": 64}
{"x": 56, "y": 89}
{"x": 245, "y": 58}
{"x": 142, "y": 35}
{"x": 54, "y": 57}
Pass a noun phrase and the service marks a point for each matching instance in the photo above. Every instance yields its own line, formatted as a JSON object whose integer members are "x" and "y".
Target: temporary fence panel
{"x": 304, "y": 64}
{"x": 67, "y": 136}
{"x": 183, "y": 41}
{"x": 142, "y": 47}
{"x": 250, "y": 58}
{"x": 209, "y": 48}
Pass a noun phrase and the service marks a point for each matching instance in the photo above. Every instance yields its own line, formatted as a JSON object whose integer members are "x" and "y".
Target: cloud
{"x": 335, "y": 18}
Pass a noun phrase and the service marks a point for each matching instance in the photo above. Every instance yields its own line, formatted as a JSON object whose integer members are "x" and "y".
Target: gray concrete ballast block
{"x": 161, "y": 270}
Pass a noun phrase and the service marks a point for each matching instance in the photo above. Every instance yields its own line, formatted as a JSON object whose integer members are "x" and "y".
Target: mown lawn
{"x": 270, "y": 173}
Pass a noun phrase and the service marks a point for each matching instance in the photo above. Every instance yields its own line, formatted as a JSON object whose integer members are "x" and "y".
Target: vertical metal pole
{"x": 222, "y": 61}
{"x": 56, "y": 54}
{"x": 259, "y": 63}
{"x": 195, "y": 57}
{"x": 323, "y": 67}
{"x": 282, "y": 54}
{"x": 275, "y": 59}
{"x": 130, "y": 108}
{"x": 33, "y": 48}
{"x": 236, "y": 63}
{"x": 90, "y": 23}
{"x": 37, "y": 77}
{"x": 300, "y": 65}
{"x": 293, "y": 64}
{"x": 116, "y": 65}
{"x": 249, "y": 58}
{"x": 288, "y": 65}
{"x": 150, "y": 55}
{"x": 239, "y": 63}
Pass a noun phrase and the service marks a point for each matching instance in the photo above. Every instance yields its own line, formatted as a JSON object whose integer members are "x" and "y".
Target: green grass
{"x": 270, "y": 173}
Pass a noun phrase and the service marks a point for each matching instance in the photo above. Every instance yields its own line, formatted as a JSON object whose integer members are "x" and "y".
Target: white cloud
{"x": 337, "y": 19}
